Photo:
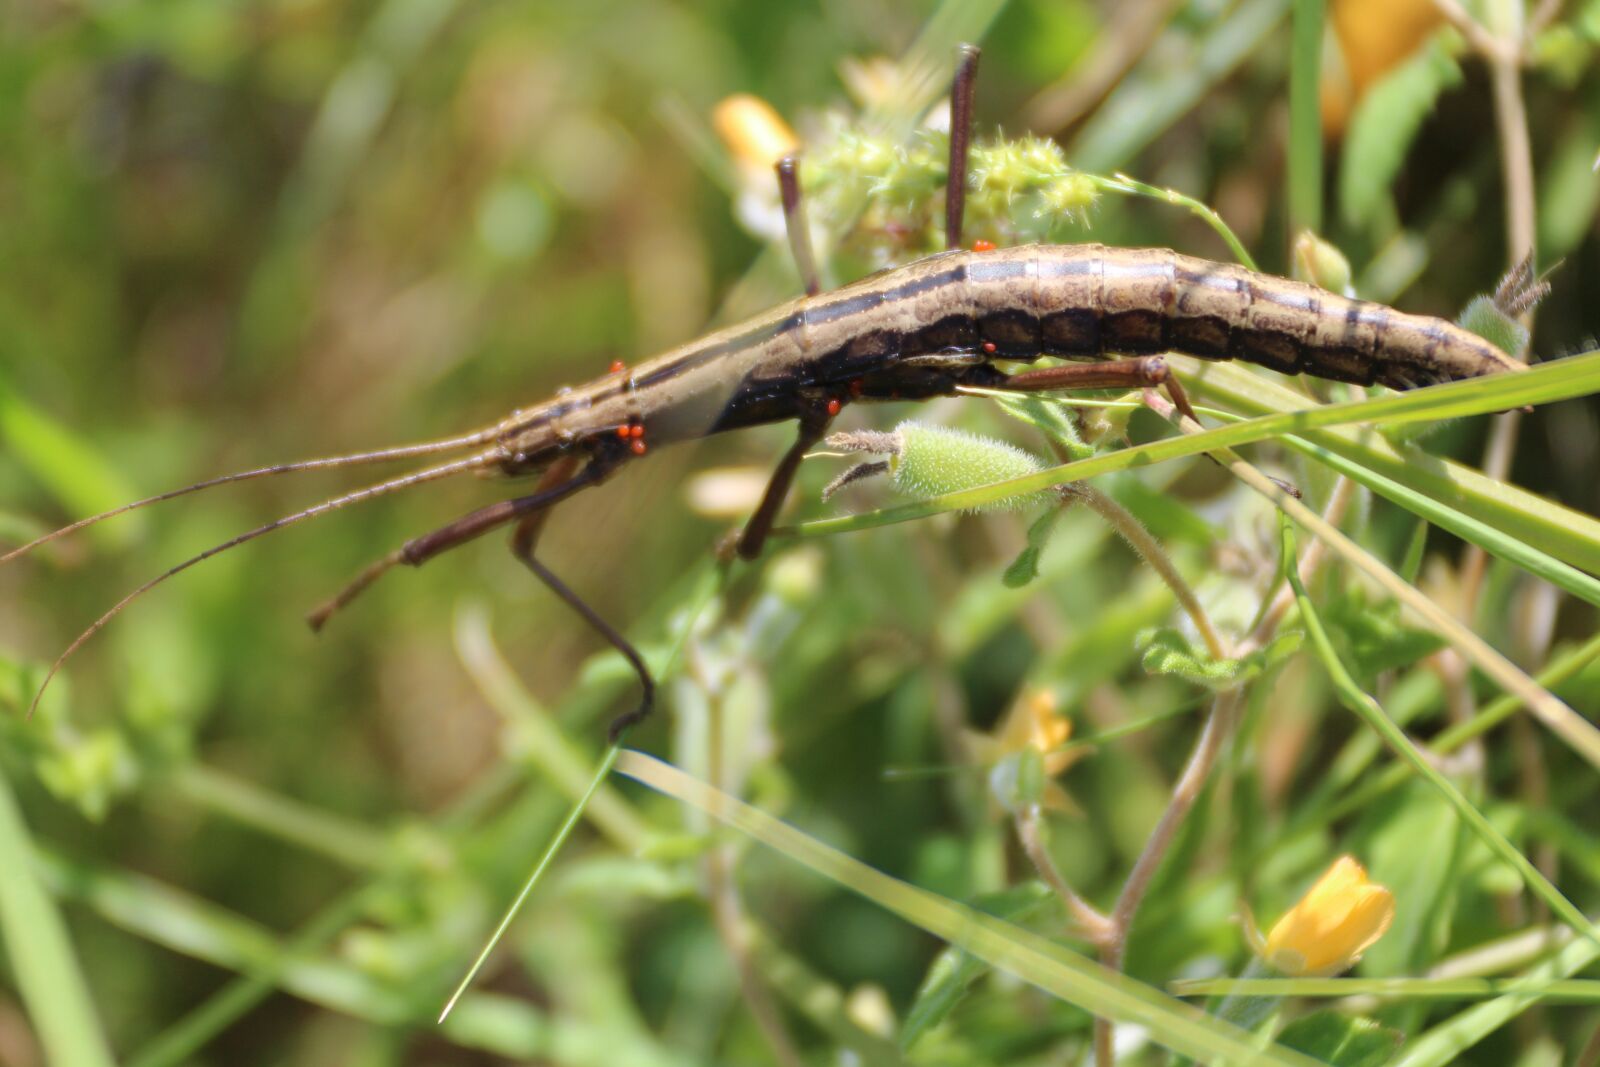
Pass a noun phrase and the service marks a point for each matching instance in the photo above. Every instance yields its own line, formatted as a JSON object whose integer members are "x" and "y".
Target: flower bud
{"x": 755, "y": 134}
{"x": 1320, "y": 263}
{"x": 1337, "y": 920}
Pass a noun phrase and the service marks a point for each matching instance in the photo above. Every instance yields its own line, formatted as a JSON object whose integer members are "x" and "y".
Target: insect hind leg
{"x": 523, "y": 539}
{"x": 1140, "y": 372}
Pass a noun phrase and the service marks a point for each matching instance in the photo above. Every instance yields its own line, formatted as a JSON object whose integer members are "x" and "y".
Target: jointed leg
{"x": 522, "y": 542}
{"x": 557, "y": 484}
{"x": 1140, "y": 372}
{"x": 755, "y": 532}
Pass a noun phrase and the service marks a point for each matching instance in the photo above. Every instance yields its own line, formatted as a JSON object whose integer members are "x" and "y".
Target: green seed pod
{"x": 934, "y": 460}
{"x": 1486, "y": 320}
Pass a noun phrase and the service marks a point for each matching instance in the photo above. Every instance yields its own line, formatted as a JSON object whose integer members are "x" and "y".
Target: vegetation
{"x": 980, "y": 751}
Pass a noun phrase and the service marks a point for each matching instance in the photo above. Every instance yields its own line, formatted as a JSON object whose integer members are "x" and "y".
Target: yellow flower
{"x": 1034, "y": 721}
{"x": 1341, "y": 917}
{"x": 754, "y": 132}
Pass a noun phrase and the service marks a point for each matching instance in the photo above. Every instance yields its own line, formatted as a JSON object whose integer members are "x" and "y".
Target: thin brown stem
{"x": 1090, "y": 923}
{"x": 1481, "y": 40}
{"x": 1149, "y": 549}
{"x": 1196, "y": 773}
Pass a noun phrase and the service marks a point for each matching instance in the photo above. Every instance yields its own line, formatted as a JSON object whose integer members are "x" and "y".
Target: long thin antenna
{"x": 794, "y": 220}
{"x": 424, "y": 448}
{"x": 955, "y": 188}
{"x": 428, "y": 474}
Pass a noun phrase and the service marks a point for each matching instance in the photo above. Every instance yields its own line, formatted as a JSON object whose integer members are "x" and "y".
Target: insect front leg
{"x": 813, "y": 425}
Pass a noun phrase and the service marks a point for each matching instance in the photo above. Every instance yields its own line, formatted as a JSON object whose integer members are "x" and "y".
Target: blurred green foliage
{"x": 237, "y": 234}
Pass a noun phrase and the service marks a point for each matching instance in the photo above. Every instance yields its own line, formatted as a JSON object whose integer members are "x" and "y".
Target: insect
{"x": 918, "y": 331}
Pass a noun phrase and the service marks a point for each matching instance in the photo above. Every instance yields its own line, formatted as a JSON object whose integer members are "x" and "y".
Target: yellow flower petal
{"x": 1337, "y": 920}
{"x": 754, "y": 132}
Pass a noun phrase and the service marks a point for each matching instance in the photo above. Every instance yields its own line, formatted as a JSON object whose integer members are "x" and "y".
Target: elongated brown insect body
{"x": 912, "y": 332}
{"x": 926, "y": 328}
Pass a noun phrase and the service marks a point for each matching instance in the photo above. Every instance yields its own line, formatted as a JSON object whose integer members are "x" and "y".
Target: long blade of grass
{"x": 1043, "y": 963}
{"x": 1563, "y": 991}
{"x": 1497, "y": 543}
{"x": 1305, "y": 117}
{"x": 550, "y": 852}
{"x": 1372, "y": 713}
{"x": 36, "y": 942}
{"x": 1549, "y": 383}
{"x": 1580, "y": 734}
{"x": 1444, "y": 1043}
{"x": 1568, "y": 535}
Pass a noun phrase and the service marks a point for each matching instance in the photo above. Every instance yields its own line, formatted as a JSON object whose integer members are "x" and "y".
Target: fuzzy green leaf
{"x": 1025, "y": 568}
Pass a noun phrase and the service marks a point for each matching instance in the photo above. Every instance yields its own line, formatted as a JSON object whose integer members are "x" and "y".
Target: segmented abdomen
{"x": 1087, "y": 300}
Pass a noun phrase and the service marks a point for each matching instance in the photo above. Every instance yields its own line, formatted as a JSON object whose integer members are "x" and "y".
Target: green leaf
{"x": 1168, "y": 651}
{"x": 1025, "y": 568}
{"x": 59, "y": 1002}
{"x": 1049, "y": 417}
{"x": 1383, "y": 127}
{"x": 1376, "y": 639}
{"x": 1342, "y": 1040}
{"x": 77, "y": 475}
{"x": 953, "y": 971}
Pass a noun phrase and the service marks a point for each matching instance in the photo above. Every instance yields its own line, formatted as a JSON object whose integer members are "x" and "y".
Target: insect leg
{"x": 1141, "y": 372}
{"x": 522, "y": 543}
{"x": 794, "y": 220}
{"x": 955, "y": 188}
{"x": 558, "y": 473}
{"x": 812, "y": 427}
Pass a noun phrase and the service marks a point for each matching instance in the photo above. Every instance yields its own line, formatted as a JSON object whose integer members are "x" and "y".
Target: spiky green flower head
{"x": 935, "y": 460}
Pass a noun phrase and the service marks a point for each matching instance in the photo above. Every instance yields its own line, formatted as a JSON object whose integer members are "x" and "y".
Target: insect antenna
{"x": 955, "y": 188}
{"x": 405, "y": 481}
{"x": 556, "y": 484}
{"x": 794, "y": 221}
{"x": 424, "y": 448}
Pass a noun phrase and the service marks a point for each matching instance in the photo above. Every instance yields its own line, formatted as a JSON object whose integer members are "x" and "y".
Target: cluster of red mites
{"x": 634, "y": 432}
{"x": 982, "y": 245}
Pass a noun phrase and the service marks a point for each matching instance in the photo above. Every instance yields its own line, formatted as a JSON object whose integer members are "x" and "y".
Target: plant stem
{"x": 1149, "y": 549}
{"x": 1091, "y": 923}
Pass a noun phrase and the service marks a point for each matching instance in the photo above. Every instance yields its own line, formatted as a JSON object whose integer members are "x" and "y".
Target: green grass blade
{"x": 36, "y": 942}
{"x": 1563, "y": 991}
{"x": 1570, "y": 536}
{"x": 1371, "y": 713}
{"x": 1038, "y": 961}
{"x": 1444, "y": 1043}
{"x": 550, "y": 853}
{"x": 1305, "y": 118}
{"x": 1497, "y": 543}
{"x": 1177, "y": 73}
{"x": 1551, "y": 382}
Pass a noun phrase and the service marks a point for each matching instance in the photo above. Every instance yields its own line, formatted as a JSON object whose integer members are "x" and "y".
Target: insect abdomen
{"x": 1093, "y": 301}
